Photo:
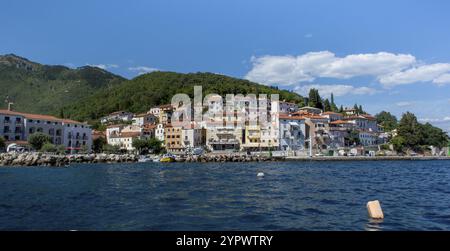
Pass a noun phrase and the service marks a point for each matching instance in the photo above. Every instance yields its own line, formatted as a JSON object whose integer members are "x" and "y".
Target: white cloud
{"x": 142, "y": 69}
{"x": 443, "y": 79}
{"x": 404, "y": 103}
{"x": 389, "y": 69}
{"x": 435, "y": 120}
{"x": 337, "y": 90}
{"x": 104, "y": 66}
{"x": 435, "y": 73}
{"x": 290, "y": 70}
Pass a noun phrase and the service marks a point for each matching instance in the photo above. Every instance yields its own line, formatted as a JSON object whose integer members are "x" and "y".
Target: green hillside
{"x": 145, "y": 91}
{"x": 38, "y": 88}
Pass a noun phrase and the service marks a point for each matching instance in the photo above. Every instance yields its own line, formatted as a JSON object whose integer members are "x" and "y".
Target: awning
{"x": 294, "y": 124}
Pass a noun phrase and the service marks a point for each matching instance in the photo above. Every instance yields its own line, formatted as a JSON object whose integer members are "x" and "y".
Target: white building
{"x": 117, "y": 116}
{"x": 159, "y": 132}
{"x": 124, "y": 140}
{"x": 287, "y": 107}
{"x": 292, "y": 133}
{"x": 18, "y": 126}
{"x": 193, "y": 138}
{"x": 144, "y": 119}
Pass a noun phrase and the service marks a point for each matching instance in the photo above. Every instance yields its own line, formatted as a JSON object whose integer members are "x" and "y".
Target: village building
{"x": 310, "y": 110}
{"x": 144, "y": 119}
{"x": 287, "y": 107}
{"x": 159, "y": 132}
{"x": 173, "y": 138}
{"x": 119, "y": 116}
{"x": 292, "y": 133}
{"x": 18, "y": 126}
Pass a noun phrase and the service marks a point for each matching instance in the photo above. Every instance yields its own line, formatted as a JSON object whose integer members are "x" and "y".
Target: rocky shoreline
{"x": 53, "y": 160}
{"x": 42, "y": 159}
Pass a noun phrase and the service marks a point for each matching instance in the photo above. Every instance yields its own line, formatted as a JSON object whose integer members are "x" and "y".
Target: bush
{"x": 49, "y": 148}
{"x": 2, "y": 143}
{"x": 111, "y": 149}
{"x": 38, "y": 140}
{"x": 61, "y": 149}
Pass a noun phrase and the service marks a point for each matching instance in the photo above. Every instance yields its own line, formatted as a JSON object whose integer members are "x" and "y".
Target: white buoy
{"x": 374, "y": 210}
{"x": 260, "y": 175}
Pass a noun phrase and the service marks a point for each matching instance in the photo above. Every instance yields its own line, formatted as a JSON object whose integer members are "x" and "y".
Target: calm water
{"x": 415, "y": 195}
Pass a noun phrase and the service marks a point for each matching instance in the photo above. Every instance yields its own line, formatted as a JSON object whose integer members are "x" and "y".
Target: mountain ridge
{"x": 87, "y": 93}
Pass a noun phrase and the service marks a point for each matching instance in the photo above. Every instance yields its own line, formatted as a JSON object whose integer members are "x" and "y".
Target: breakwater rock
{"x": 43, "y": 159}
{"x": 229, "y": 158}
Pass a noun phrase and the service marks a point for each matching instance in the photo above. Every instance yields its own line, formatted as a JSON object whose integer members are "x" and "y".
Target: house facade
{"x": 18, "y": 126}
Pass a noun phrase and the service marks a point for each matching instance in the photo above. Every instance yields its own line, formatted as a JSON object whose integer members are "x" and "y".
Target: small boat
{"x": 155, "y": 159}
{"x": 144, "y": 159}
{"x": 167, "y": 158}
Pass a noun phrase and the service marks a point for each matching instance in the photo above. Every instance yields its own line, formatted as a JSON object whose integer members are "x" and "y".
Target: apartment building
{"x": 18, "y": 126}
{"x": 292, "y": 133}
{"x": 144, "y": 119}
{"x": 173, "y": 140}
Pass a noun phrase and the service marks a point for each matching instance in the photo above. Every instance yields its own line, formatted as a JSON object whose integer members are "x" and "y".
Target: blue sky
{"x": 391, "y": 55}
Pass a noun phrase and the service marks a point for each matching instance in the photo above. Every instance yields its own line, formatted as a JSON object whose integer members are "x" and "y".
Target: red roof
{"x": 338, "y": 122}
{"x": 332, "y": 113}
{"x": 291, "y": 117}
{"x": 40, "y": 117}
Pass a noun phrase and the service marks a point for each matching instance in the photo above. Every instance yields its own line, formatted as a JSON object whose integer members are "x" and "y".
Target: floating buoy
{"x": 260, "y": 175}
{"x": 374, "y": 210}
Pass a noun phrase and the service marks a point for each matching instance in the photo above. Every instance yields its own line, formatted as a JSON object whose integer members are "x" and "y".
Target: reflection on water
{"x": 374, "y": 225}
{"x": 227, "y": 196}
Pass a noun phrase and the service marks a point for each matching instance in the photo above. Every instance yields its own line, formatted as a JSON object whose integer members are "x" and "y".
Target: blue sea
{"x": 414, "y": 195}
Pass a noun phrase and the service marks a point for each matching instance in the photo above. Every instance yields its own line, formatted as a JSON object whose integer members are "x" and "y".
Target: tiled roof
{"x": 40, "y": 117}
{"x": 116, "y": 125}
{"x": 331, "y": 113}
{"x": 338, "y": 122}
{"x": 291, "y": 117}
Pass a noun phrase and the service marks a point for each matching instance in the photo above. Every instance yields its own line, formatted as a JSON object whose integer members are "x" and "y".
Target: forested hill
{"x": 145, "y": 91}
{"x": 38, "y": 88}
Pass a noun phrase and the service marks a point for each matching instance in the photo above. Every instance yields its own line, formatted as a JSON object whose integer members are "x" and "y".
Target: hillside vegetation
{"x": 37, "y": 88}
{"x": 145, "y": 91}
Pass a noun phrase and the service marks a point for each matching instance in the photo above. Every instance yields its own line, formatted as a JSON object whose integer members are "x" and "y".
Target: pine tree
{"x": 333, "y": 105}
{"x": 326, "y": 105}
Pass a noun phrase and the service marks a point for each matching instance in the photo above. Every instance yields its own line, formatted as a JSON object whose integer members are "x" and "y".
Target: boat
{"x": 144, "y": 159}
{"x": 167, "y": 158}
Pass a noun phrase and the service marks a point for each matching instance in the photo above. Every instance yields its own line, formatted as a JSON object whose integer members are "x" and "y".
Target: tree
{"x": 388, "y": 121}
{"x": 314, "y": 99}
{"x": 326, "y": 105}
{"x": 2, "y": 143}
{"x": 37, "y": 140}
{"x": 433, "y": 136}
{"x": 398, "y": 142}
{"x": 410, "y": 130}
{"x": 155, "y": 145}
{"x": 341, "y": 109}
{"x": 333, "y": 105}
{"x": 352, "y": 138}
{"x": 140, "y": 144}
{"x": 98, "y": 144}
